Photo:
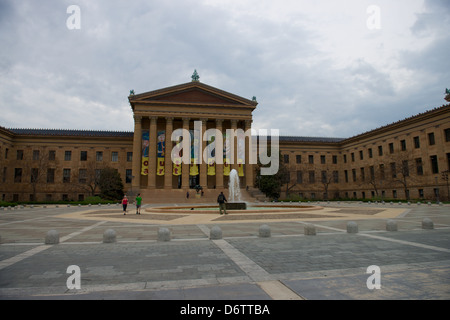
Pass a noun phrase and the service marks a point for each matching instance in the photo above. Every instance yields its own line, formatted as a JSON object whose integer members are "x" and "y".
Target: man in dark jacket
{"x": 221, "y": 200}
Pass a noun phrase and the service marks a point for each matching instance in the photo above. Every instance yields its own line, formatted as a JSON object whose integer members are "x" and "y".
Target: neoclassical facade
{"x": 406, "y": 159}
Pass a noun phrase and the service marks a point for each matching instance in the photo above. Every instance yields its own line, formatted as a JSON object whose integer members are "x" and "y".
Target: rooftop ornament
{"x": 131, "y": 92}
{"x": 447, "y": 95}
{"x": 195, "y": 77}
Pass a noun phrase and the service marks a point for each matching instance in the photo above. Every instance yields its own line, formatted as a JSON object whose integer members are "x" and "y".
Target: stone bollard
{"x": 52, "y": 237}
{"x": 164, "y": 234}
{"x": 391, "y": 225}
{"x": 264, "y": 231}
{"x": 109, "y": 236}
{"x": 309, "y": 230}
{"x": 215, "y": 233}
{"x": 427, "y": 224}
{"x": 352, "y": 227}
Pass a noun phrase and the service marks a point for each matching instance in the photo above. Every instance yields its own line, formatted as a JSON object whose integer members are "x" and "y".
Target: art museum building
{"x": 406, "y": 159}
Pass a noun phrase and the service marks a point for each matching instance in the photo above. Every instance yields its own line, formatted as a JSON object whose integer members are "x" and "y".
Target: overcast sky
{"x": 318, "y": 68}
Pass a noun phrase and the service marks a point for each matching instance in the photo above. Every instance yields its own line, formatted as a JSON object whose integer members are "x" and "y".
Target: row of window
{"x": 403, "y": 147}
{"x": 68, "y": 155}
{"x": 82, "y": 177}
{"x": 375, "y": 173}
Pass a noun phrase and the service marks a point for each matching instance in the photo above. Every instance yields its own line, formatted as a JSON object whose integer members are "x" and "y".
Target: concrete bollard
{"x": 215, "y": 233}
{"x": 309, "y": 230}
{"x": 427, "y": 224}
{"x": 352, "y": 227}
{"x": 391, "y": 225}
{"x": 264, "y": 231}
{"x": 164, "y": 234}
{"x": 109, "y": 236}
{"x": 52, "y": 237}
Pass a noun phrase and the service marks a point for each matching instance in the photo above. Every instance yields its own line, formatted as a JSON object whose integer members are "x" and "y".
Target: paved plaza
{"x": 414, "y": 263}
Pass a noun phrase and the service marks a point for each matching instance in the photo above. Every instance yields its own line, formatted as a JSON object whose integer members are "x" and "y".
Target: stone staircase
{"x": 256, "y": 194}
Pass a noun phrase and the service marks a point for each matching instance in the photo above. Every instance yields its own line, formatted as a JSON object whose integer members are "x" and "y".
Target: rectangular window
{"x": 382, "y": 171}
{"x": 363, "y": 175}
{"x": 67, "y": 155}
{"x": 434, "y": 164}
{"x": 298, "y": 158}
{"x": 128, "y": 175}
{"x": 335, "y": 176}
{"x": 393, "y": 170}
{"x": 380, "y": 150}
{"x": 431, "y": 139}
{"x": 345, "y": 158}
{"x": 322, "y": 159}
{"x": 353, "y": 157}
{"x": 361, "y": 156}
{"x": 286, "y": 158}
{"x": 370, "y": 152}
{"x": 34, "y": 175}
{"x": 416, "y": 142}
{"x": 82, "y": 176}
{"x": 354, "y": 175}
{"x": 52, "y": 155}
{"x": 129, "y": 156}
{"x": 346, "y": 175}
{"x": 66, "y": 175}
{"x": 405, "y": 168}
{"x": 334, "y": 159}
{"x": 19, "y": 154}
{"x": 312, "y": 178}
{"x": 99, "y": 156}
{"x": 419, "y": 166}
{"x": 50, "y": 175}
{"x": 17, "y": 175}
{"x": 311, "y": 159}
{"x": 299, "y": 177}
{"x": 324, "y": 176}
{"x": 114, "y": 156}
{"x": 391, "y": 148}
{"x": 36, "y": 154}
{"x": 83, "y": 155}
{"x": 403, "y": 145}
{"x": 447, "y": 135}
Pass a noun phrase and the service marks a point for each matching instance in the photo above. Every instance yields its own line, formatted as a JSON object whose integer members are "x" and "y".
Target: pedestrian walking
{"x": 221, "y": 200}
{"x": 138, "y": 203}
{"x": 124, "y": 204}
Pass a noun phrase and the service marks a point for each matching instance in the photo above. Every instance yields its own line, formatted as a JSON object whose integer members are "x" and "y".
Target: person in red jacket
{"x": 124, "y": 204}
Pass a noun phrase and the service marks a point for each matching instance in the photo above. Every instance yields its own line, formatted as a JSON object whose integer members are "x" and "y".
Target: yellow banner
{"x": 240, "y": 170}
{"x": 176, "y": 167}
{"x": 211, "y": 167}
{"x": 226, "y": 167}
{"x": 160, "y": 167}
{"x": 193, "y": 168}
{"x": 144, "y": 167}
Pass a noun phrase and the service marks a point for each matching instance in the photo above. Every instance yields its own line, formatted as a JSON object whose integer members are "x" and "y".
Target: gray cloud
{"x": 311, "y": 78}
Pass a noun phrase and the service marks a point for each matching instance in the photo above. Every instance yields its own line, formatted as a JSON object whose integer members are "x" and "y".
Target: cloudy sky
{"x": 318, "y": 68}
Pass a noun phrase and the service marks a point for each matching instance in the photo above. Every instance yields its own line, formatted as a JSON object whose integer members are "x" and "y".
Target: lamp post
{"x": 445, "y": 177}
{"x": 437, "y": 190}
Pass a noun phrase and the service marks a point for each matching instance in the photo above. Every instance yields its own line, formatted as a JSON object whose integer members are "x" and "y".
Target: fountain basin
{"x": 235, "y": 205}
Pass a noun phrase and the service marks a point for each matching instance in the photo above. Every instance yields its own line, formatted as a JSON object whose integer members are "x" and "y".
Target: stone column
{"x": 185, "y": 166}
{"x": 219, "y": 155}
{"x": 204, "y": 163}
{"x": 248, "y": 149}
{"x": 168, "y": 150}
{"x": 152, "y": 153}
{"x": 137, "y": 149}
{"x": 234, "y": 164}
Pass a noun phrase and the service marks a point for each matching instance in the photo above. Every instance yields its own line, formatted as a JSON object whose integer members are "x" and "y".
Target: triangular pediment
{"x": 192, "y": 93}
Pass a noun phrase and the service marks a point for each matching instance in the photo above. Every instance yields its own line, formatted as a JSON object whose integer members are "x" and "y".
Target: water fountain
{"x": 234, "y": 193}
